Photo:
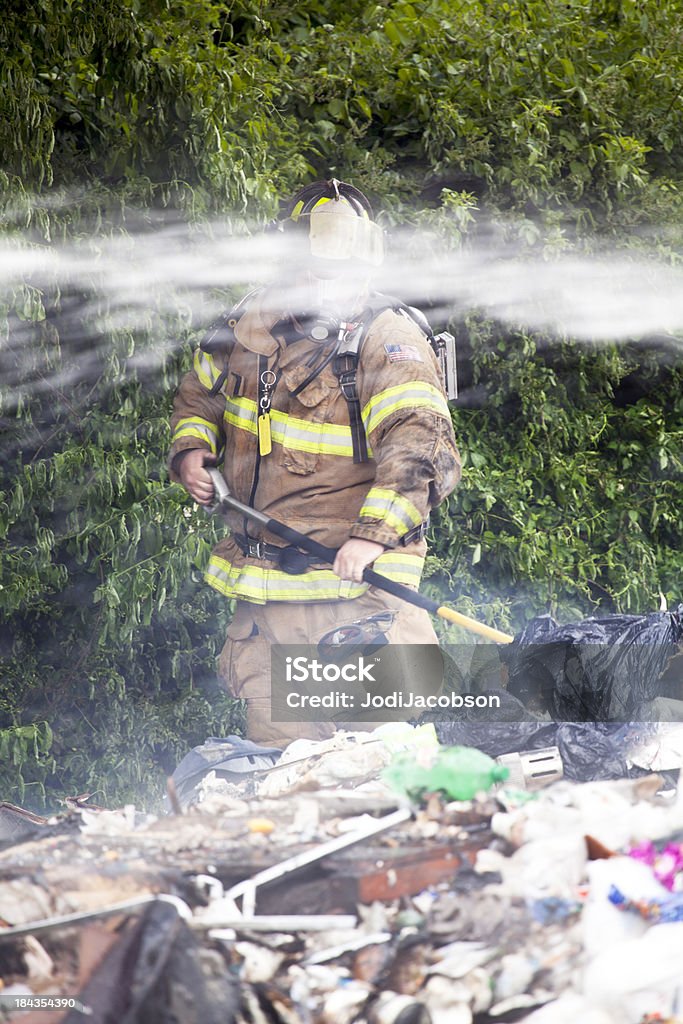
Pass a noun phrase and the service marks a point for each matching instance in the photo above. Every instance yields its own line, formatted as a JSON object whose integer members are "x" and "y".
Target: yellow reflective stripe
{"x": 412, "y": 394}
{"x": 291, "y": 431}
{"x": 206, "y": 369}
{"x": 294, "y": 215}
{"x": 391, "y": 508}
{"x": 253, "y": 583}
{"x": 245, "y": 409}
{"x": 242, "y": 413}
{"x": 400, "y": 568}
{"x": 197, "y": 427}
{"x": 259, "y": 585}
{"x": 411, "y": 511}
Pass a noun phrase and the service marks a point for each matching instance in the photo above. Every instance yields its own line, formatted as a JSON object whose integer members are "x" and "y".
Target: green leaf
{"x": 392, "y": 33}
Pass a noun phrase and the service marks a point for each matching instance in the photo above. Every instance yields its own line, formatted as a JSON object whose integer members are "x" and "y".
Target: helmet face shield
{"x": 337, "y": 232}
{"x": 330, "y": 245}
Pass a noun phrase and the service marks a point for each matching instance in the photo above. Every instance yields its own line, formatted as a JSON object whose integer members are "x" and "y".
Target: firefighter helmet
{"x": 338, "y": 220}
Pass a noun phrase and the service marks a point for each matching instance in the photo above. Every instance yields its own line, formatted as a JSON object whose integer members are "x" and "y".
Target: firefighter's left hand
{"x": 353, "y": 556}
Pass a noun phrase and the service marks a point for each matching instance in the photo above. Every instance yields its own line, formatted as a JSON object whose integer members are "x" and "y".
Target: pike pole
{"x": 223, "y": 499}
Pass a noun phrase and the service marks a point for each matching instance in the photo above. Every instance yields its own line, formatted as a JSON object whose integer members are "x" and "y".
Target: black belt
{"x": 290, "y": 559}
{"x": 295, "y": 561}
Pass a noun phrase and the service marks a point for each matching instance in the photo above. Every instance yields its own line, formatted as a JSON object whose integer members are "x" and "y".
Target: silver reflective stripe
{"x": 199, "y": 428}
{"x": 291, "y": 431}
{"x": 241, "y": 412}
{"x": 259, "y": 585}
{"x": 206, "y": 369}
{"x": 400, "y": 571}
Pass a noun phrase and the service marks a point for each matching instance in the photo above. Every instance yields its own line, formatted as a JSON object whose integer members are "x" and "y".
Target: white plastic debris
{"x": 480, "y": 985}
{"x": 570, "y": 1009}
{"x": 21, "y": 901}
{"x": 664, "y": 750}
{"x": 637, "y": 977}
{"x": 515, "y": 976}
{"x": 306, "y": 818}
{"x": 547, "y": 867}
{"x": 259, "y": 963}
{"x": 107, "y": 823}
{"x": 342, "y": 1005}
{"x": 403, "y": 736}
{"x": 615, "y": 813}
{"x": 38, "y": 962}
{"x": 392, "y": 1008}
{"x": 459, "y": 958}
{"x": 604, "y": 924}
{"x": 449, "y": 1002}
{"x": 346, "y": 758}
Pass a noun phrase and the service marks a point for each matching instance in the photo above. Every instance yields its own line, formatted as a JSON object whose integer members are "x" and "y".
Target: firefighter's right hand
{"x": 194, "y": 475}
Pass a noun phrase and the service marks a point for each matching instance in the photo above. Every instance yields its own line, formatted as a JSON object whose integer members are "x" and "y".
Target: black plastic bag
{"x": 593, "y": 750}
{"x": 156, "y": 974}
{"x": 495, "y": 731}
{"x": 598, "y": 670}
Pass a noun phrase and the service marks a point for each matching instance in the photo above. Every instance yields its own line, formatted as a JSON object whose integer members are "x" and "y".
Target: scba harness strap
{"x": 345, "y": 368}
{"x": 220, "y": 336}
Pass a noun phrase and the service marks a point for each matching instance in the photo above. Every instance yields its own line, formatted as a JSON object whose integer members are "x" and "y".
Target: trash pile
{"x": 375, "y": 877}
{"x": 522, "y": 867}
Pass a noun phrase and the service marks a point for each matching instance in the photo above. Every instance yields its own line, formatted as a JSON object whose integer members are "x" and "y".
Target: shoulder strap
{"x": 345, "y": 367}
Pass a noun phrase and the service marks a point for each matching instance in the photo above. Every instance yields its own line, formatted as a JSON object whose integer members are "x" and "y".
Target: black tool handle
{"x": 326, "y": 554}
{"x": 225, "y": 500}
{"x": 321, "y": 551}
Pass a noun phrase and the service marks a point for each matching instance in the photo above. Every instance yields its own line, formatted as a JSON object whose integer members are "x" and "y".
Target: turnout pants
{"x": 245, "y": 661}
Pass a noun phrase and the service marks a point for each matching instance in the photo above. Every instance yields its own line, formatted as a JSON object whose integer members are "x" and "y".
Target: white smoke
{"x": 172, "y": 274}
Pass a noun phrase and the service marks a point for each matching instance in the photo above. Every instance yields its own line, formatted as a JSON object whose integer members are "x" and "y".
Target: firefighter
{"x": 328, "y": 414}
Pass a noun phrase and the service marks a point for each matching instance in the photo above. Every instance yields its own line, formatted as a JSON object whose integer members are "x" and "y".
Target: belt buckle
{"x": 417, "y": 533}
{"x": 256, "y": 549}
{"x": 347, "y": 379}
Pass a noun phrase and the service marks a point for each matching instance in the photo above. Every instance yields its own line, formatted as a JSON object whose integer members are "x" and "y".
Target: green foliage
{"x": 558, "y": 120}
{"x": 569, "y": 503}
{"x": 96, "y": 541}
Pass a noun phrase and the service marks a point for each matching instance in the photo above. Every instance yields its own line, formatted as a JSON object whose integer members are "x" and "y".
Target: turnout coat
{"x": 309, "y": 479}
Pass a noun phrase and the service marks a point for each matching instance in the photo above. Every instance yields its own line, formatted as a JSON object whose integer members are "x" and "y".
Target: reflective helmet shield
{"x": 338, "y": 232}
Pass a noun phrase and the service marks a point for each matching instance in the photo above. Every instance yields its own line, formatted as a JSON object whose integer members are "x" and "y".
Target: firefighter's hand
{"x": 353, "y": 556}
{"x": 195, "y": 477}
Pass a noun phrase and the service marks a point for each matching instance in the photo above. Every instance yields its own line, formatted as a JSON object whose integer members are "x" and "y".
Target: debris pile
{"x": 311, "y": 890}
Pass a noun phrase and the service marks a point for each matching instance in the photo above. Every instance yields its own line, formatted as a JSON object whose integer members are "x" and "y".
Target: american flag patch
{"x": 403, "y": 353}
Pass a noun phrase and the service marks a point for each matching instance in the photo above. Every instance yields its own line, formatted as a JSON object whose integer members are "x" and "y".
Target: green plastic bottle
{"x": 458, "y": 772}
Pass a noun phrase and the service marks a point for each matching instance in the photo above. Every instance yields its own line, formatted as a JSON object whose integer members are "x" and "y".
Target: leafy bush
{"x": 557, "y": 120}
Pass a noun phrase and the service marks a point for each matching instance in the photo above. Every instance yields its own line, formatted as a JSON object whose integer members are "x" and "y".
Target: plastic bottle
{"x": 458, "y": 772}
